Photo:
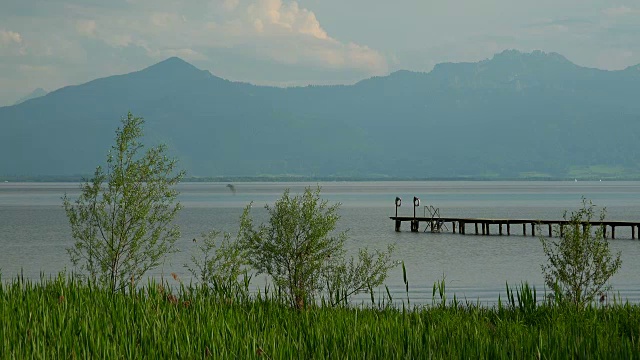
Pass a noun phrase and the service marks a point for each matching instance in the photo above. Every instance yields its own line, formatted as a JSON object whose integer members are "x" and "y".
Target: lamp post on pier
{"x": 414, "y": 223}
{"x": 398, "y": 222}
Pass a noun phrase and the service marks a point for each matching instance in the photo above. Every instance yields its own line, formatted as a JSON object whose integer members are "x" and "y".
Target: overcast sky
{"x": 54, "y": 43}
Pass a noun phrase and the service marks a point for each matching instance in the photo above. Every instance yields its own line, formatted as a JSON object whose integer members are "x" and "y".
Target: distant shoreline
{"x": 284, "y": 178}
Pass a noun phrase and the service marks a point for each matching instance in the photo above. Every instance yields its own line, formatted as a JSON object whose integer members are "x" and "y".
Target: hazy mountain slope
{"x": 515, "y": 113}
{"x": 32, "y": 95}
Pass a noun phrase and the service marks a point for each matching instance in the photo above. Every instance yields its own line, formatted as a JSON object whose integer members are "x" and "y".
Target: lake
{"x": 34, "y": 231}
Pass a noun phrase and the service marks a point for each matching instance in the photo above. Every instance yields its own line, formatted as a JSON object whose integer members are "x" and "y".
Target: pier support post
{"x": 453, "y": 225}
{"x": 462, "y": 227}
{"x": 508, "y": 229}
{"x": 500, "y": 225}
{"x": 524, "y": 229}
{"x": 604, "y": 231}
{"x": 415, "y": 224}
{"x": 613, "y": 232}
{"x": 550, "y": 233}
{"x": 633, "y": 231}
{"x": 476, "y": 224}
{"x": 561, "y": 230}
{"x": 484, "y": 231}
{"x": 398, "y": 222}
{"x": 487, "y": 225}
{"x": 533, "y": 229}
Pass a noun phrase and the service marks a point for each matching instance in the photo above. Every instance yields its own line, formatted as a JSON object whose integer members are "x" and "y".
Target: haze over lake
{"x": 34, "y": 231}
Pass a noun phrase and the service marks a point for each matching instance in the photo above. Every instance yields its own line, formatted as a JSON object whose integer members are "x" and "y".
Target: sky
{"x": 54, "y": 43}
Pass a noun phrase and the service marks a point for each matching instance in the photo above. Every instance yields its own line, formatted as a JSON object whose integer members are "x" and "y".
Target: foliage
{"x": 220, "y": 266}
{"x": 298, "y": 249}
{"x": 580, "y": 262}
{"x": 345, "y": 278}
{"x": 526, "y": 300}
{"x": 61, "y": 318}
{"x": 122, "y": 220}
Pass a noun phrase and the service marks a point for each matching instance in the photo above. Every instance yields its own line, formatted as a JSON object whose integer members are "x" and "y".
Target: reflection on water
{"x": 34, "y": 231}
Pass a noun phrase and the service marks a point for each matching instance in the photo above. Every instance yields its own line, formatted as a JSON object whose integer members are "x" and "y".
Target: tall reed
{"x": 63, "y": 318}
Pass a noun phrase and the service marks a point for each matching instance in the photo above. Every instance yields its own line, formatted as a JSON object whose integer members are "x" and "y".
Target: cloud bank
{"x": 279, "y": 31}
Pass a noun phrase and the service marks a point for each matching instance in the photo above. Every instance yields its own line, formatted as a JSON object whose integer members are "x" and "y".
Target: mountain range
{"x": 32, "y": 95}
{"x": 516, "y": 115}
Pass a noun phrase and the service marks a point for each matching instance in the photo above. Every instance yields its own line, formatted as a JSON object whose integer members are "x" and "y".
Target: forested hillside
{"x": 513, "y": 116}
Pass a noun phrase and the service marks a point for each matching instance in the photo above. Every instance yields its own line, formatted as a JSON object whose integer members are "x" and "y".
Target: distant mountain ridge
{"x": 516, "y": 115}
{"x": 32, "y": 95}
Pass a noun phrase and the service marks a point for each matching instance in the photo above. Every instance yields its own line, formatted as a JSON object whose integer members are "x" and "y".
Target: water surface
{"x": 34, "y": 231}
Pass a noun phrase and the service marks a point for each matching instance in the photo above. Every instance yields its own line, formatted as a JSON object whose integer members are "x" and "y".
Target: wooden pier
{"x": 504, "y": 226}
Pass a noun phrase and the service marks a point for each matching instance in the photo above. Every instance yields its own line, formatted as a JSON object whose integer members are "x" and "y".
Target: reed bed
{"x": 62, "y": 318}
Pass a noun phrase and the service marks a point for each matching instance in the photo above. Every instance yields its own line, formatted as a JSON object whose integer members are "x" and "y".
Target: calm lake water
{"x": 34, "y": 231}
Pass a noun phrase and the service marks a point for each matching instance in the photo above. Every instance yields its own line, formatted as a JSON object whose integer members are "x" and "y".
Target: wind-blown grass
{"x": 61, "y": 318}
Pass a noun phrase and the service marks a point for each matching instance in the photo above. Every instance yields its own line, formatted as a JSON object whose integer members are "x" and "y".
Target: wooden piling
{"x": 476, "y": 225}
{"x": 613, "y": 232}
{"x": 550, "y": 233}
{"x": 524, "y": 229}
{"x": 500, "y": 226}
{"x": 415, "y": 224}
{"x": 508, "y": 229}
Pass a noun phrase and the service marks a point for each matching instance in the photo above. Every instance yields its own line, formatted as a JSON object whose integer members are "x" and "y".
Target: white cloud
{"x": 86, "y": 27}
{"x": 10, "y": 37}
{"x": 280, "y": 30}
{"x": 276, "y": 16}
{"x": 277, "y": 30}
{"x": 258, "y": 25}
{"x": 11, "y": 43}
{"x": 165, "y": 19}
{"x": 296, "y": 37}
{"x": 119, "y": 40}
{"x": 620, "y": 11}
{"x": 362, "y": 55}
{"x": 230, "y": 5}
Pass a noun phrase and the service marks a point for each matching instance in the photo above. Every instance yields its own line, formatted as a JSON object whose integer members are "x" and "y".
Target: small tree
{"x": 122, "y": 221}
{"x": 220, "y": 265}
{"x": 580, "y": 262}
{"x": 302, "y": 255}
{"x": 344, "y": 278}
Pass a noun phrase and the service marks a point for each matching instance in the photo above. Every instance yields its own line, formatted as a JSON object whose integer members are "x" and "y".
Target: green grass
{"x": 61, "y": 319}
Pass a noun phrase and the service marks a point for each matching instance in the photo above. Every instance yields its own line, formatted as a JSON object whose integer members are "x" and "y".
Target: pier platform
{"x": 503, "y": 226}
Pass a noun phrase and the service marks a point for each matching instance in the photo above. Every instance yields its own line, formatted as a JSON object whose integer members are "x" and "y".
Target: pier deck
{"x": 505, "y": 224}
